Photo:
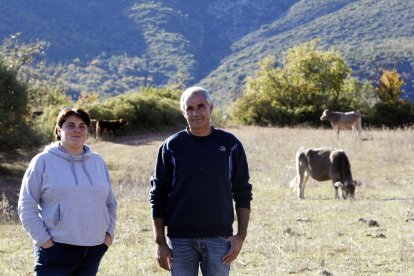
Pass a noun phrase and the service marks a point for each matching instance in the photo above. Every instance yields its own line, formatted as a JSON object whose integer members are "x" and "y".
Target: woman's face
{"x": 73, "y": 134}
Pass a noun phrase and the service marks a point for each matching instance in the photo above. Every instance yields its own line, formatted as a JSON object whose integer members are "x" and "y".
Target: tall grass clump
{"x": 8, "y": 210}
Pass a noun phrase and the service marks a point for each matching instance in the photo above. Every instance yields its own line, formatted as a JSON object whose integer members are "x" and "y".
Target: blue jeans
{"x": 65, "y": 259}
{"x": 189, "y": 254}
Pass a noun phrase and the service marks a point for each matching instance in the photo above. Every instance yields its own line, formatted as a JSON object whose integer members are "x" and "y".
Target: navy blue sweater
{"x": 195, "y": 182}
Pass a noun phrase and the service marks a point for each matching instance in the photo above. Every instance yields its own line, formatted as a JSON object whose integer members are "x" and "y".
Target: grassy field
{"x": 315, "y": 236}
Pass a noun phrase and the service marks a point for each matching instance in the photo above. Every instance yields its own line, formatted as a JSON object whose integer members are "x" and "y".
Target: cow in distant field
{"x": 324, "y": 164}
{"x": 110, "y": 126}
{"x": 37, "y": 114}
{"x": 341, "y": 120}
{"x": 92, "y": 128}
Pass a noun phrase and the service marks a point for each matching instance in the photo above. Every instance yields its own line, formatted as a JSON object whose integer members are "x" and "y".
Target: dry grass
{"x": 286, "y": 236}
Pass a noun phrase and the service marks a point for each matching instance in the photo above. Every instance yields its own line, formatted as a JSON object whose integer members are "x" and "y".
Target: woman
{"x": 66, "y": 201}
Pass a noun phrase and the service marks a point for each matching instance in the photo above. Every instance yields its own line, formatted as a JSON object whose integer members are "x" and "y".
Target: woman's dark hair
{"x": 65, "y": 113}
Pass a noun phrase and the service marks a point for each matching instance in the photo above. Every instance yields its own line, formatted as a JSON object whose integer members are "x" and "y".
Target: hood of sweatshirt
{"x": 56, "y": 149}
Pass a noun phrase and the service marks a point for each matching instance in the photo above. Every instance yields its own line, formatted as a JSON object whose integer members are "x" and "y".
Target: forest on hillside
{"x": 111, "y": 49}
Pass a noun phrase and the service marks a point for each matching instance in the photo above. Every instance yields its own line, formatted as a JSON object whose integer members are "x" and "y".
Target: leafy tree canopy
{"x": 390, "y": 86}
{"x": 308, "y": 81}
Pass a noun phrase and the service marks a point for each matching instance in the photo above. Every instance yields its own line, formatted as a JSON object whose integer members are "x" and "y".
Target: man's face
{"x": 198, "y": 114}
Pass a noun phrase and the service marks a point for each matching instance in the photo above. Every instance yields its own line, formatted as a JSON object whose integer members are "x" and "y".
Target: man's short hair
{"x": 193, "y": 90}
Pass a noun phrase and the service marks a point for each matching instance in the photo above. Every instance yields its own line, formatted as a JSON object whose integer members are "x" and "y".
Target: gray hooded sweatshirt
{"x": 67, "y": 198}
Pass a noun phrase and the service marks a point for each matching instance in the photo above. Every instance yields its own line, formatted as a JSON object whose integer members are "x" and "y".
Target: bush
{"x": 14, "y": 118}
{"x": 392, "y": 115}
{"x": 141, "y": 110}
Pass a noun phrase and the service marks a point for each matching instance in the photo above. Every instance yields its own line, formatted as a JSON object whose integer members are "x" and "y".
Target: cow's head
{"x": 123, "y": 122}
{"x": 324, "y": 116}
{"x": 348, "y": 189}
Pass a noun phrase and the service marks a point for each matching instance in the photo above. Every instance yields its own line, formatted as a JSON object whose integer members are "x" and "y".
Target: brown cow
{"x": 110, "y": 126}
{"x": 324, "y": 164}
{"x": 37, "y": 113}
{"x": 340, "y": 120}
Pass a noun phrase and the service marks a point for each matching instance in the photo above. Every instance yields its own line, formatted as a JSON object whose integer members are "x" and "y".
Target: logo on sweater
{"x": 222, "y": 148}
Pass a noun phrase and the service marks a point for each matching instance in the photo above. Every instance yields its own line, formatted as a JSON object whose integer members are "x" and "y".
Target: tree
{"x": 323, "y": 72}
{"x": 390, "y": 86}
{"x": 257, "y": 106}
{"x": 87, "y": 100}
{"x": 307, "y": 81}
{"x": 390, "y": 110}
{"x": 13, "y": 111}
{"x": 23, "y": 90}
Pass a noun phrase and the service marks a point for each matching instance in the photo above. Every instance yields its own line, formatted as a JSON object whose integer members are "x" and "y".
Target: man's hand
{"x": 243, "y": 215}
{"x": 236, "y": 245}
{"x": 164, "y": 256}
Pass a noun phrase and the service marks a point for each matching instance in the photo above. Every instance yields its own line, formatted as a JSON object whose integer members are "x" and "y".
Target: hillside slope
{"x": 115, "y": 47}
{"x": 369, "y": 34}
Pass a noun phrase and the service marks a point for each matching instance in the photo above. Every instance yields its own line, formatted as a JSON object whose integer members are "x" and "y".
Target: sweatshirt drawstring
{"x": 86, "y": 172}
{"x": 73, "y": 170}
{"x": 84, "y": 169}
{"x": 73, "y": 159}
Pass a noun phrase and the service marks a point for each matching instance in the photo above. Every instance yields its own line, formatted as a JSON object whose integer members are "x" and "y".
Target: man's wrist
{"x": 161, "y": 241}
{"x": 242, "y": 236}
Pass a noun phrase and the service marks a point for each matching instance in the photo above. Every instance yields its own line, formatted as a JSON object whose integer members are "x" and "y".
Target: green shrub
{"x": 14, "y": 117}
{"x": 392, "y": 115}
{"x": 141, "y": 110}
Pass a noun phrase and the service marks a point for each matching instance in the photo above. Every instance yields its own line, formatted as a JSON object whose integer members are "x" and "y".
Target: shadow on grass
{"x": 10, "y": 178}
{"x": 143, "y": 137}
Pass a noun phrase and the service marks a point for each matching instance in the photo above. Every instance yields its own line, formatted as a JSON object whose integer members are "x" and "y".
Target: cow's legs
{"x": 355, "y": 128}
{"x": 98, "y": 134}
{"x": 303, "y": 177}
{"x": 336, "y": 180}
{"x": 336, "y": 192}
{"x": 337, "y": 184}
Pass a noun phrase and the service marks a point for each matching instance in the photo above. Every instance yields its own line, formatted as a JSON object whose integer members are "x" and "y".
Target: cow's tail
{"x": 293, "y": 184}
{"x": 341, "y": 162}
{"x": 98, "y": 130}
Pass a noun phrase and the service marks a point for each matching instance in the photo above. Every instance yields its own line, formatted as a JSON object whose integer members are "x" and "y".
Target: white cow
{"x": 341, "y": 120}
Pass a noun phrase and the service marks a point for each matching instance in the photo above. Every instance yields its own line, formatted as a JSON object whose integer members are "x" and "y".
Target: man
{"x": 199, "y": 172}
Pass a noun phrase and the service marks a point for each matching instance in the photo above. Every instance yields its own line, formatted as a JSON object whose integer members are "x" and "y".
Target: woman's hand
{"x": 108, "y": 240}
{"x": 48, "y": 244}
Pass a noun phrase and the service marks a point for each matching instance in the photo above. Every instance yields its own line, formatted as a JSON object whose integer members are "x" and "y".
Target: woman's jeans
{"x": 65, "y": 259}
{"x": 189, "y": 254}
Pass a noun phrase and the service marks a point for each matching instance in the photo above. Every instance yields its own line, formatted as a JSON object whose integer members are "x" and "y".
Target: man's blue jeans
{"x": 65, "y": 259}
{"x": 189, "y": 254}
